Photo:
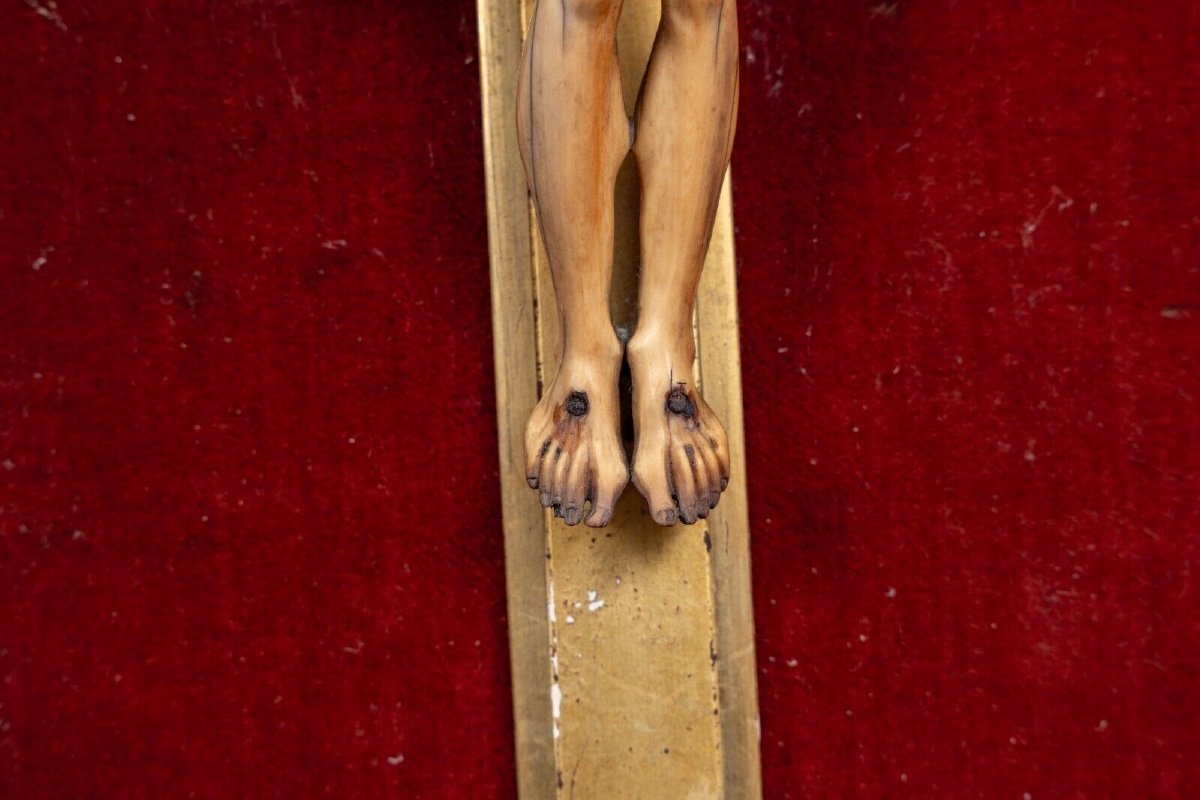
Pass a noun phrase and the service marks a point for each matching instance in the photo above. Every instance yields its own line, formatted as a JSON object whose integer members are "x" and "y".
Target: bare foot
{"x": 573, "y": 449}
{"x": 681, "y": 462}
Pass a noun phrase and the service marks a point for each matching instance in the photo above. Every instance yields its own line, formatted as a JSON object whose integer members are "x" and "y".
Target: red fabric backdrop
{"x": 249, "y": 539}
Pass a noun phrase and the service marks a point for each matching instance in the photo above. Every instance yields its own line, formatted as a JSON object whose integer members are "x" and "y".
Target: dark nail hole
{"x": 679, "y": 403}
{"x": 577, "y": 404}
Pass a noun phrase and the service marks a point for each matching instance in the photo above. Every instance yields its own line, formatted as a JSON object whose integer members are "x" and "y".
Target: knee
{"x": 695, "y": 11}
{"x": 590, "y": 11}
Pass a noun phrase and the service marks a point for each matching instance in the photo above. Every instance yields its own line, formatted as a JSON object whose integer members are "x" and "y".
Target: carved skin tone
{"x": 574, "y": 135}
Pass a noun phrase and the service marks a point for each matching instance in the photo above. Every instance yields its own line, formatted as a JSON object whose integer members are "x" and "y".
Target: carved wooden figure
{"x": 574, "y": 135}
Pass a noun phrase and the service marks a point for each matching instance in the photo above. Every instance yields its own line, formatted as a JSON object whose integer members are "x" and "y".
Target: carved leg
{"x": 685, "y": 125}
{"x": 574, "y": 134}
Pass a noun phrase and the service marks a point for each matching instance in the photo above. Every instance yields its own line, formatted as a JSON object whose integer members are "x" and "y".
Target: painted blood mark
{"x": 577, "y": 404}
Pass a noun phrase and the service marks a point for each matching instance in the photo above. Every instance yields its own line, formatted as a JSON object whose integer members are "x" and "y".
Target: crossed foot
{"x": 573, "y": 449}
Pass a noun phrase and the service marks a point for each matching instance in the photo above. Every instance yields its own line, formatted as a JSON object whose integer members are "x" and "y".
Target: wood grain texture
{"x": 721, "y": 379}
{"x": 632, "y": 646}
{"x": 513, "y": 328}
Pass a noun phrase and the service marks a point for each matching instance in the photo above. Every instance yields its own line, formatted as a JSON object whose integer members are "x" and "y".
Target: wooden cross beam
{"x": 632, "y": 646}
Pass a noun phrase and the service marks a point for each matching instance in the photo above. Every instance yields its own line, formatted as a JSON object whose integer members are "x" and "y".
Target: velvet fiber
{"x": 249, "y": 517}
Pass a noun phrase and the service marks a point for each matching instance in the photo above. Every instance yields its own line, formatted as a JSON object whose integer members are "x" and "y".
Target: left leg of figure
{"x": 685, "y": 125}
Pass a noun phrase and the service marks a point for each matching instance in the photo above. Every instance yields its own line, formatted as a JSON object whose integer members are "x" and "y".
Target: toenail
{"x": 665, "y": 517}
{"x": 577, "y": 404}
{"x": 679, "y": 403}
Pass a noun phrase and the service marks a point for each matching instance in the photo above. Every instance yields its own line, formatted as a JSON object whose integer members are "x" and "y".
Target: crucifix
{"x": 632, "y": 638}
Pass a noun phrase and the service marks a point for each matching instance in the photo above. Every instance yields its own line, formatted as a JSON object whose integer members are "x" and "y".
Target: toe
{"x": 562, "y": 466}
{"x": 719, "y": 442}
{"x": 685, "y": 484}
{"x": 537, "y": 436}
{"x": 666, "y": 517}
{"x": 574, "y": 490}
{"x": 712, "y": 469}
{"x": 703, "y": 480}
{"x": 546, "y": 490}
{"x": 650, "y": 478}
{"x": 599, "y": 517}
{"x": 548, "y": 473}
{"x": 608, "y": 483}
{"x": 533, "y": 461}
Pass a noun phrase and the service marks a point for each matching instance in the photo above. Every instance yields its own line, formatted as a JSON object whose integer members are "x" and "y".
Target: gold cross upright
{"x": 633, "y": 645}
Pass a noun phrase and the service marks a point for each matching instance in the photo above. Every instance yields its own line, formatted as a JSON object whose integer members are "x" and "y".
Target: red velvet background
{"x": 249, "y": 539}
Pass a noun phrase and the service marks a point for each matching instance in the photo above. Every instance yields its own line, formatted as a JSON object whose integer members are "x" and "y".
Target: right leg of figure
{"x": 574, "y": 135}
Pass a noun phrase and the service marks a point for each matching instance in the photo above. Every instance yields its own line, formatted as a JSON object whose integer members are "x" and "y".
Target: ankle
{"x": 600, "y": 349}
{"x": 669, "y": 345}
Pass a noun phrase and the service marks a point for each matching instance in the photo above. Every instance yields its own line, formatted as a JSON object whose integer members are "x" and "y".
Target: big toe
{"x": 651, "y": 481}
{"x": 609, "y": 483}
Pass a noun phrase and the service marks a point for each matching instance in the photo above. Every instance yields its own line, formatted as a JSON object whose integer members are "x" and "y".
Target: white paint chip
{"x": 595, "y": 602}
